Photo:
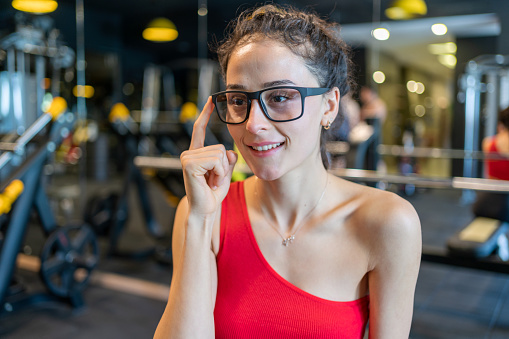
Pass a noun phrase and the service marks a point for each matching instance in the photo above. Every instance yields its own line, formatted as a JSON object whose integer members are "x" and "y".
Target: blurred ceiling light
{"x": 406, "y": 9}
{"x": 160, "y": 30}
{"x": 202, "y": 11}
{"x": 381, "y": 33}
{"x": 419, "y": 88}
{"x": 35, "y": 6}
{"x": 46, "y": 101}
{"x": 411, "y": 86}
{"x": 379, "y": 77}
{"x": 448, "y": 60}
{"x": 128, "y": 89}
{"x": 83, "y": 91}
{"x": 444, "y": 48}
{"x": 420, "y": 111}
{"x": 439, "y": 29}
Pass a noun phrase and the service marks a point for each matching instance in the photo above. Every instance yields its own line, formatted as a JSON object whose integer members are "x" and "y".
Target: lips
{"x": 266, "y": 147}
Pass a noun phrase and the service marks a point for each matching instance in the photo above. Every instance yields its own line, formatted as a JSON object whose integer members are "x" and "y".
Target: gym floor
{"x": 125, "y": 298}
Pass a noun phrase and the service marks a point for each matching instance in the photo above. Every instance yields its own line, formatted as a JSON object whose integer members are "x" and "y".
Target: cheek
{"x": 313, "y": 114}
{"x": 235, "y": 132}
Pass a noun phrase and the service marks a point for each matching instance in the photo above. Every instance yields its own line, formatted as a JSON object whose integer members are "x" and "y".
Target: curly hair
{"x": 315, "y": 40}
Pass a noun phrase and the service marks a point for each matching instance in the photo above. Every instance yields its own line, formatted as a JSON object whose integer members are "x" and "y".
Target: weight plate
{"x": 100, "y": 213}
{"x": 68, "y": 258}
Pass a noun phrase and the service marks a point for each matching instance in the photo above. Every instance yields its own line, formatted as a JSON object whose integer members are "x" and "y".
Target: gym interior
{"x": 98, "y": 100}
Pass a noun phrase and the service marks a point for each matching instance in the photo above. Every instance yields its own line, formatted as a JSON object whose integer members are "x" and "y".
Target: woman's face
{"x": 262, "y": 64}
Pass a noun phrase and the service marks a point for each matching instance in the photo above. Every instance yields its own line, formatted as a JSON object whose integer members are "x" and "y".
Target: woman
{"x": 292, "y": 251}
{"x": 492, "y": 204}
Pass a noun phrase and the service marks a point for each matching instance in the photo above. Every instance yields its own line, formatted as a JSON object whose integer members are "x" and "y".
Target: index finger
{"x": 200, "y": 126}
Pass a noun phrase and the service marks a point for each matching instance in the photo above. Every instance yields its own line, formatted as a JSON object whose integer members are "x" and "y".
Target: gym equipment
{"x": 68, "y": 257}
{"x": 36, "y": 146}
{"x": 487, "y": 74}
{"x": 108, "y": 213}
{"x": 486, "y": 234}
{"x": 481, "y": 238}
{"x": 157, "y": 129}
{"x": 35, "y": 42}
{"x": 35, "y": 120}
{"x": 437, "y": 153}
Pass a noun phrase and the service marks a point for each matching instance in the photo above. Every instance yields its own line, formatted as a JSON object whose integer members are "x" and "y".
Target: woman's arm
{"x": 207, "y": 172}
{"x": 189, "y": 311}
{"x": 396, "y": 248}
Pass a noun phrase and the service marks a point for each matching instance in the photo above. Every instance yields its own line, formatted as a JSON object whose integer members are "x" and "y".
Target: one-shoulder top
{"x": 497, "y": 168}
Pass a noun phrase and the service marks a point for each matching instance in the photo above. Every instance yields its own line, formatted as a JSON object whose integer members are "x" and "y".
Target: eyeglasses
{"x": 279, "y": 104}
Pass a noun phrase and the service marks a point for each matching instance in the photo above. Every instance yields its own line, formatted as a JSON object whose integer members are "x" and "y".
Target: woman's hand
{"x": 207, "y": 170}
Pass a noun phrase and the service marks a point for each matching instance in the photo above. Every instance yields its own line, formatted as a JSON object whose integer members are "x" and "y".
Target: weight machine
{"x": 33, "y": 122}
{"x": 157, "y": 129}
{"x": 70, "y": 253}
{"x": 485, "y": 91}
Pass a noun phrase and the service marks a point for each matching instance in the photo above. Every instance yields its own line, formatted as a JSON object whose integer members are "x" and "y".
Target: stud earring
{"x": 328, "y": 125}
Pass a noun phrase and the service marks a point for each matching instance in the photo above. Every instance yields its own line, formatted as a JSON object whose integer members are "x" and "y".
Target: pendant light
{"x": 406, "y": 9}
{"x": 35, "y": 6}
{"x": 160, "y": 30}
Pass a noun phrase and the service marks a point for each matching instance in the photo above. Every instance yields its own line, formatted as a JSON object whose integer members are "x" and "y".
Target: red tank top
{"x": 497, "y": 168}
{"x": 254, "y": 301}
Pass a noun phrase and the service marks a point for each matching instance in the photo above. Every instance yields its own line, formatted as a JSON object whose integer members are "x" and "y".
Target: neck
{"x": 288, "y": 202}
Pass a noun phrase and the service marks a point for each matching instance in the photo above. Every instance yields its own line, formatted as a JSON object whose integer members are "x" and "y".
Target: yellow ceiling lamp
{"x": 86, "y": 91}
{"x": 35, "y": 6}
{"x": 160, "y": 30}
{"x": 406, "y": 9}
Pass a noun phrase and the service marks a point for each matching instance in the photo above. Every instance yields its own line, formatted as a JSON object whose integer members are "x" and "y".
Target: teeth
{"x": 265, "y": 147}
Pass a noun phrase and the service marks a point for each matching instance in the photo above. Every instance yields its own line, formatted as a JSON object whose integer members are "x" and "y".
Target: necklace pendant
{"x": 289, "y": 240}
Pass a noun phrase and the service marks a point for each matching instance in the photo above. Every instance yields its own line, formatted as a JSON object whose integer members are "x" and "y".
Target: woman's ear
{"x": 331, "y": 105}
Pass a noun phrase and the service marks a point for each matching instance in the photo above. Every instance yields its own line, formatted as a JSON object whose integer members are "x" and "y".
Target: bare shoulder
{"x": 385, "y": 211}
{"x": 388, "y": 224}
{"x": 486, "y": 142}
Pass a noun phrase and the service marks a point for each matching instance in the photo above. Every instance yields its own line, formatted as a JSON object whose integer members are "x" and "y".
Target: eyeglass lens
{"x": 280, "y": 104}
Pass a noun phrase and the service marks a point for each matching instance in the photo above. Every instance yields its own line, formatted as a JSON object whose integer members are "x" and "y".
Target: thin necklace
{"x": 289, "y": 240}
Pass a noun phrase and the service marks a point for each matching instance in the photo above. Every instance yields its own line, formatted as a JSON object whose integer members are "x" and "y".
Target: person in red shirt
{"x": 495, "y": 205}
{"x": 498, "y": 145}
{"x": 292, "y": 251}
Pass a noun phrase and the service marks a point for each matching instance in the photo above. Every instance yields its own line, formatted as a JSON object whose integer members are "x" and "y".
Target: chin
{"x": 266, "y": 174}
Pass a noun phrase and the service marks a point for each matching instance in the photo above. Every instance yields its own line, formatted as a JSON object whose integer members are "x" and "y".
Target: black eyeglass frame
{"x": 304, "y": 92}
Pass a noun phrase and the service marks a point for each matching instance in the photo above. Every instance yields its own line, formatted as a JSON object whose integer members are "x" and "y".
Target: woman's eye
{"x": 237, "y": 101}
{"x": 279, "y": 98}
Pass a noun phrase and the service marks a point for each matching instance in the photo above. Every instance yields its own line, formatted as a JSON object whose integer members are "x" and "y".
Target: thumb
{"x": 232, "y": 160}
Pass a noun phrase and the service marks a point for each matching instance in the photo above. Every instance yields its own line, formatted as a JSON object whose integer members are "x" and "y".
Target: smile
{"x": 266, "y": 147}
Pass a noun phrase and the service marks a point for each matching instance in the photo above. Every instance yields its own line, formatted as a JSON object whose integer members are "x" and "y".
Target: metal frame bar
{"x": 476, "y": 184}
{"x": 19, "y": 144}
{"x": 438, "y": 153}
{"x": 15, "y": 231}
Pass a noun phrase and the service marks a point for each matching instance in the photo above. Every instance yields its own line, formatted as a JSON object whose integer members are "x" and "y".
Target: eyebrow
{"x": 265, "y": 85}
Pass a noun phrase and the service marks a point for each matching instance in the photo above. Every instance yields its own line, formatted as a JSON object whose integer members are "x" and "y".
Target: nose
{"x": 257, "y": 120}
